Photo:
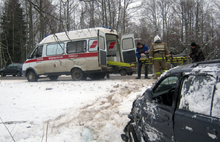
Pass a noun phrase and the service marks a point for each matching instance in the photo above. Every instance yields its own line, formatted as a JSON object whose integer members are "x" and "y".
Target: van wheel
{"x": 53, "y": 77}
{"x": 31, "y": 76}
{"x": 77, "y": 74}
{"x": 123, "y": 72}
{"x": 18, "y": 73}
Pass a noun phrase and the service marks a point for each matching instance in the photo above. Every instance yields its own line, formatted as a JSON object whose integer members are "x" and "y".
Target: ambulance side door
{"x": 128, "y": 49}
{"x": 102, "y": 49}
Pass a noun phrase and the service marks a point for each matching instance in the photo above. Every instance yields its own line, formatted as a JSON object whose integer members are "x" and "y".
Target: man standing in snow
{"x": 142, "y": 49}
{"x": 196, "y": 53}
{"x": 159, "y": 54}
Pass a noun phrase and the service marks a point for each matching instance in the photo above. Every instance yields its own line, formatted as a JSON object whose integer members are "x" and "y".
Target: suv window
{"x": 216, "y": 102}
{"x": 196, "y": 94}
{"x": 166, "y": 84}
{"x": 11, "y": 66}
{"x": 164, "y": 92}
{"x": 76, "y": 47}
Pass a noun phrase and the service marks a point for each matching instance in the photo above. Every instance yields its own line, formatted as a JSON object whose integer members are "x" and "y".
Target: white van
{"x": 80, "y": 53}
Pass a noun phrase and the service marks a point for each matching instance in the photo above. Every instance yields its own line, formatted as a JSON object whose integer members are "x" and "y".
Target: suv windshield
{"x": 167, "y": 84}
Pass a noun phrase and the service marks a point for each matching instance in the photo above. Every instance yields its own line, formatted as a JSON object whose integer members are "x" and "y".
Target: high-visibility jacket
{"x": 158, "y": 50}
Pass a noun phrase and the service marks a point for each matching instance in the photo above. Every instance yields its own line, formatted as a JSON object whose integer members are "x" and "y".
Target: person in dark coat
{"x": 142, "y": 49}
{"x": 196, "y": 54}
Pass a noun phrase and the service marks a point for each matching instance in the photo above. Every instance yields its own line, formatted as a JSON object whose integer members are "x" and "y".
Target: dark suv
{"x": 183, "y": 106}
{"x": 14, "y": 69}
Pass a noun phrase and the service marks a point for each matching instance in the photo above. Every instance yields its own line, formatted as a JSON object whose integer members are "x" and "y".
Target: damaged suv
{"x": 183, "y": 105}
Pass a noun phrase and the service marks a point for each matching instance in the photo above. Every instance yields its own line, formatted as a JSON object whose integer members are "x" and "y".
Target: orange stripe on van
{"x": 61, "y": 57}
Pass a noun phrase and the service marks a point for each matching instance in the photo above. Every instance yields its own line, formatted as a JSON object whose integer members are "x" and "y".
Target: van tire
{"x": 31, "y": 76}
{"x": 77, "y": 74}
{"x": 123, "y": 72}
{"x": 53, "y": 77}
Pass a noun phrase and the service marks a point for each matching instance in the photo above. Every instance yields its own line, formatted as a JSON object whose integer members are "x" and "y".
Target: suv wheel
{"x": 77, "y": 74}
{"x": 53, "y": 77}
{"x": 132, "y": 134}
{"x": 18, "y": 73}
{"x": 31, "y": 76}
{"x": 2, "y": 74}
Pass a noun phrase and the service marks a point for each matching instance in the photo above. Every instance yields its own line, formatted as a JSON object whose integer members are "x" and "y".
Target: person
{"x": 142, "y": 49}
{"x": 196, "y": 54}
{"x": 158, "y": 54}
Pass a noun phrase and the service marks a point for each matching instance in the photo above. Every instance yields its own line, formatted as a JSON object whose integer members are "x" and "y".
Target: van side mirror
{"x": 28, "y": 57}
{"x": 148, "y": 95}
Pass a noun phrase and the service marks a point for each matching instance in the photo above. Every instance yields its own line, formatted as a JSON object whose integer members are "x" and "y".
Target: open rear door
{"x": 128, "y": 48}
{"x": 102, "y": 49}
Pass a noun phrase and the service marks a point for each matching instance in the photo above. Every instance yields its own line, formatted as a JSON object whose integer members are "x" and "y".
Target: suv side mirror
{"x": 148, "y": 95}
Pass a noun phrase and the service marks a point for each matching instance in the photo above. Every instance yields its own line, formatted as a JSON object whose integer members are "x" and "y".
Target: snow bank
{"x": 84, "y": 111}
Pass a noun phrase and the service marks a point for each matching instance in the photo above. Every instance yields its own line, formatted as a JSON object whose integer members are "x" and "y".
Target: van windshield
{"x": 112, "y": 42}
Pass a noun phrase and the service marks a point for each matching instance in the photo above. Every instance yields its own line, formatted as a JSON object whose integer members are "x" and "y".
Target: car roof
{"x": 205, "y": 66}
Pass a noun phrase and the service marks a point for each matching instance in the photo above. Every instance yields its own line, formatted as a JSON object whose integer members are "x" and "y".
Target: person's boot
{"x": 146, "y": 77}
{"x": 138, "y": 77}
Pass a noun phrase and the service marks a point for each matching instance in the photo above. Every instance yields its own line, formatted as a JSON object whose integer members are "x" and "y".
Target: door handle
{"x": 211, "y": 131}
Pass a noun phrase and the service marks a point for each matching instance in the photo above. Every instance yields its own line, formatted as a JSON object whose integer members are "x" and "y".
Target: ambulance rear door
{"x": 128, "y": 49}
{"x": 102, "y": 49}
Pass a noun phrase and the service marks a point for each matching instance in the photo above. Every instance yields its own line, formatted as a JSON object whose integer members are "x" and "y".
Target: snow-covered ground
{"x": 67, "y": 111}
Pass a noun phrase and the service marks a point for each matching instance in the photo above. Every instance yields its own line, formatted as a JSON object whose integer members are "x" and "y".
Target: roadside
{"x": 67, "y": 110}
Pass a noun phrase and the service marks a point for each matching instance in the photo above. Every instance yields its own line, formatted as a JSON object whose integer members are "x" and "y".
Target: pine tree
{"x": 13, "y": 35}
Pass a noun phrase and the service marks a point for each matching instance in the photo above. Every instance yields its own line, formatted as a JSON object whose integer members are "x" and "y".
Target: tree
{"x": 13, "y": 35}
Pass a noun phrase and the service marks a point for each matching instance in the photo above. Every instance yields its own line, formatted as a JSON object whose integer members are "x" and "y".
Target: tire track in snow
{"x": 101, "y": 114}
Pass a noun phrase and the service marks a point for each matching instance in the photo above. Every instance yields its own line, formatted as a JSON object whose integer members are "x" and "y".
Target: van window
{"x": 76, "y": 47}
{"x": 216, "y": 102}
{"x": 127, "y": 43}
{"x": 102, "y": 42}
{"x": 112, "y": 45}
{"x": 55, "y": 49}
{"x": 93, "y": 45}
{"x": 196, "y": 94}
{"x": 37, "y": 52}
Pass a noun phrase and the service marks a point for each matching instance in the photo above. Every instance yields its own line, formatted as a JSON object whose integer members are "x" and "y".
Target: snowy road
{"x": 67, "y": 111}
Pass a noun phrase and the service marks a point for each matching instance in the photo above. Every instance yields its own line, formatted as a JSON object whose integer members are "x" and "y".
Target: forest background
{"x": 24, "y": 23}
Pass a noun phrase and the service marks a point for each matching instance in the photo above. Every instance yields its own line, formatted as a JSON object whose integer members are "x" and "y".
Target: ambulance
{"x": 81, "y": 53}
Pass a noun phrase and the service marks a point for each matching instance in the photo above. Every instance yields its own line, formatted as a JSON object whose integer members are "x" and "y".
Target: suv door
{"x": 128, "y": 48}
{"x": 102, "y": 49}
{"x": 162, "y": 108}
{"x": 10, "y": 70}
{"x": 192, "y": 118}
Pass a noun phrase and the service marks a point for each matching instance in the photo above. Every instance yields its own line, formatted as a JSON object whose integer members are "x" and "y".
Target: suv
{"x": 12, "y": 69}
{"x": 183, "y": 106}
